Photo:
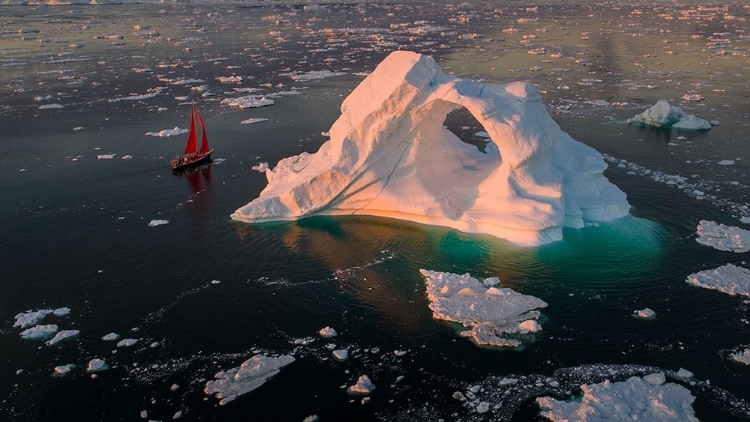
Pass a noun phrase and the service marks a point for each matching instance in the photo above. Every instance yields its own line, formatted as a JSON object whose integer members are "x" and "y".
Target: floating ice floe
{"x": 726, "y": 163}
{"x": 742, "y": 356}
{"x": 39, "y": 332}
{"x": 105, "y": 156}
{"x": 127, "y": 342}
{"x": 490, "y": 313}
{"x": 250, "y": 375}
{"x": 646, "y": 313}
{"x": 63, "y": 335}
{"x": 253, "y": 120}
{"x": 50, "y": 106}
{"x": 154, "y": 223}
{"x": 729, "y": 279}
{"x": 327, "y": 332}
{"x": 363, "y": 386}
{"x": 96, "y": 365}
{"x": 723, "y": 237}
{"x": 135, "y": 97}
{"x": 643, "y": 399}
{"x": 341, "y": 355}
{"x": 313, "y": 75}
{"x": 31, "y": 318}
{"x": 168, "y": 132}
{"x": 62, "y": 370}
{"x": 664, "y": 115}
{"x": 249, "y": 101}
{"x": 389, "y": 143}
{"x": 111, "y": 337}
{"x": 229, "y": 79}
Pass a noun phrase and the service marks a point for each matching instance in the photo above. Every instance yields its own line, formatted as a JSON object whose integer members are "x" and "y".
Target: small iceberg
{"x": 363, "y": 386}
{"x": 96, "y": 365}
{"x": 729, "y": 279}
{"x": 31, "y": 318}
{"x": 643, "y": 399}
{"x": 742, "y": 356}
{"x": 235, "y": 382}
{"x": 490, "y": 313}
{"x": 168, "y": 132}
{"x": 662, "y": 114}
{"x": 646, "y": 313}
{"x": 39, "y": 332}
{"x": 327, "y": 332}
{"x": 154, "y": 223}
{"x": 63, "y": 335}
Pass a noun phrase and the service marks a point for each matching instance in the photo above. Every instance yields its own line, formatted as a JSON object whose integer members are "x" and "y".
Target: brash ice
{"x": 390, "y": 156}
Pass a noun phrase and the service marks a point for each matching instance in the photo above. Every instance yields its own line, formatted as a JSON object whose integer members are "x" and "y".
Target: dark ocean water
{"x": 208, "y": 293}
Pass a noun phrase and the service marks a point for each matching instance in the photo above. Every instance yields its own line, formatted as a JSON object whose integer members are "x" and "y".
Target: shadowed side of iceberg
{"x": 390, "y": 156}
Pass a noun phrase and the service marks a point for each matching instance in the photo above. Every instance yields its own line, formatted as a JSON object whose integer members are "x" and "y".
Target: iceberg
{"x": 490, "y": 313}
{"x": 389, "y": 155}
{"x": 662, "y": 114}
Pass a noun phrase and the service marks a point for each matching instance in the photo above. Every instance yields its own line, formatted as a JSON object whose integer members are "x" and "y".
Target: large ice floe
{"x": 662, "y": 114}
{"x": 642, "y": 399}
{"x": 723, "y": 237}
{"x": 490, "y": 313}
{"x": 390, "y": 156}
{"x": 729, "y": 279}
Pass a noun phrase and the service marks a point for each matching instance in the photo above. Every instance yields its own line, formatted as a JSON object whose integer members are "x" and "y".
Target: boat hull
{"x": 190, "y": 160}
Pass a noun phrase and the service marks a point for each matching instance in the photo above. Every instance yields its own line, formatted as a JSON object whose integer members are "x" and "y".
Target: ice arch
{"x": 390, "y": 156}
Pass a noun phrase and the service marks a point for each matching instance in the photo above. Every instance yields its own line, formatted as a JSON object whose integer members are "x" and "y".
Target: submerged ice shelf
{"x": 390, "y": 156}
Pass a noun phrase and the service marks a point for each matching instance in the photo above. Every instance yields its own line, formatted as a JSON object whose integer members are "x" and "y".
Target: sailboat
{"x": 192, "y": 156}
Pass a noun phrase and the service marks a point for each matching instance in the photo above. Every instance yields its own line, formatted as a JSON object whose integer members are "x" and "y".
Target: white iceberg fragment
{"x": 643, "y": 399}
{"x": 490, "y": 313}
{"x": 50, "y": 106}
{"x": 253, "y": 120}
{"x": 31, "y": 318}
{"x": 62, "y": 370}
{"x": 363, "y": 386}
{"x": 105, "y": 156}
{"x": 154, "y": 223}
{"x": 327, "y": 332}
{"x": 250, "y": 375}
{"x": 341, "y": 355}
{"x": 646, "y": 313}
{"x": 313, "y": 75}
{"x": 662, "y": 114}
{"x": 168, "y": 132}
{"x": 250, "y": 101}
{"x": 63, "y": 335}
{"x": 97, "y": 365}
{"x": 742, "y": 356}
{"x": 261, "y": 167}
{"x": 726, "y": 163}
{"x": 111, "y": 337}
{"x": 729, "y": 279}
{"x": 684, "y": 374}
{"x": 390, "y": 156}
{"x": 127, "y": 342}
{"x": 39, "y": 332}
{"x": 723, "y": 237}
{"x": 61, "y": 311}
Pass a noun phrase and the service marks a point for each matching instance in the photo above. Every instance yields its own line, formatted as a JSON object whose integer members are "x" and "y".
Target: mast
{"x": 192, "y": 143}
{"x": 204, "y": 141}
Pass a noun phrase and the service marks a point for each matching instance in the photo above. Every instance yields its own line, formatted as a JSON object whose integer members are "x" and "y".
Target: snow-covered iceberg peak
{"x": 390, "y": 155}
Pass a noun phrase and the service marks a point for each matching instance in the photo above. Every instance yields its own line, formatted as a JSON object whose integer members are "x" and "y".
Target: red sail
{"x": 192, "y": 144}
{"x": 204, "y": 141}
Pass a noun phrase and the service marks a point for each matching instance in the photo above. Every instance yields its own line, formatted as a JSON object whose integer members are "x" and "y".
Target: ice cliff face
{"x": 390, "y": 155}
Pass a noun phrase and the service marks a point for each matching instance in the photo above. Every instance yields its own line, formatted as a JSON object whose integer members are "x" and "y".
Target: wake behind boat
{"x": 192, "y": 156}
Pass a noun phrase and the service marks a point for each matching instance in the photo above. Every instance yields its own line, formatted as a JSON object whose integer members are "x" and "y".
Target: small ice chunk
{"x": 105, "y": 156}
{"x": 255, "y": 371}
{"x": 729, "y": 279}
{"x": 399, "y": 353}
{"x": 684, "y": 374}
{"x": 39, "y": 332}
{"x": 311, "y": 418}
{"x": 31, "y": 318}
{"x": 249, "y": 101}
{"x": 327, "y": 332}
{"x": 261, "y": 167}
{"x": 127, "y": 342}
{"x": 646, "y": 313}
{"x": 726, "y": 163}
{"x": 61, "y": 312}
{"x": 63, "y": 335}
{"x": 253, "y": 120}
{"x": 363, "y": 386}
{"x": 154, "y": 223}
{"x": 483, "y": 407}
{"x": 111, "y": 337}
{"x": 177, "y": 414}
{"x": 742, "y": 357}
{"x": 341, "y": 355}
{"x": 662, "y": 114}
{"x": 655, "y": 379}
{"x": 96, "y": 365}
{"x": 168, "y": 132}
{"x": 62, "y": 370}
